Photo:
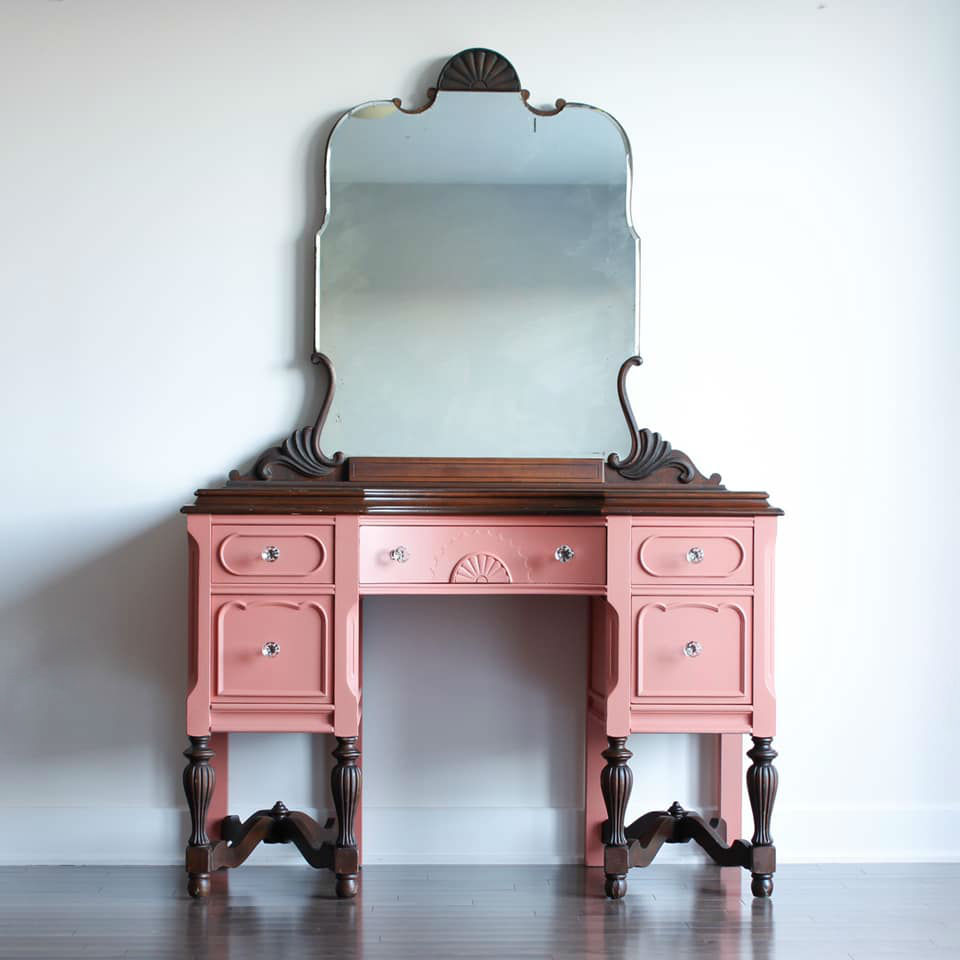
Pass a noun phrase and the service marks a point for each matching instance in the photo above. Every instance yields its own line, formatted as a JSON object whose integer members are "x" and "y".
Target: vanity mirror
{"x": 476, "y": 321}
{"x": 476, "y": 278}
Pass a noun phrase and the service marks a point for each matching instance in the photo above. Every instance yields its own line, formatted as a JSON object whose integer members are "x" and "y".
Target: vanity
{"x": 476, "y": 329}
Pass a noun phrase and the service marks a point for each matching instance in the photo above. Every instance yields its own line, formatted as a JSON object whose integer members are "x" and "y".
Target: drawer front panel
{"x": 267, "y": 553}
{"x": 273, "y": 646}
{"x": 693, "y": 555}
{"x": 692, "y": 648}
{"x": 482, "y": 555}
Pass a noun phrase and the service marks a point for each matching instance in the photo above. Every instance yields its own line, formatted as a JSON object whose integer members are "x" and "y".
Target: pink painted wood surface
{"x": 595, "y": 741}
{"x": 680, "y": 717}
{"x": 346, "y": 647}
{"x": 764, "y": 692}
{"x": 720, "y": 626}
{"x": 275, "y": 715}
{"x": 663, "y": 554}
{"x": 301, "y": 627}
{"x": 220, "y": 801}
{"x": 730, "y": 783}
{"x": 242, "y": 553}
{"x": 619, "y": 610}
{"x": 199, "y": 657}
{"x": 482, "y": 554}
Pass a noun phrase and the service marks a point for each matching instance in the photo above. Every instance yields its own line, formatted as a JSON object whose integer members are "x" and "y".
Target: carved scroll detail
{"x": 649, "y": 452}
{"x": 301, "y": 451}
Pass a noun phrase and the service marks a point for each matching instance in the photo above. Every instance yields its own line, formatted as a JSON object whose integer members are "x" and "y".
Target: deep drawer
{"x": 692, "y": 648}
{"x": 273, "y": 646}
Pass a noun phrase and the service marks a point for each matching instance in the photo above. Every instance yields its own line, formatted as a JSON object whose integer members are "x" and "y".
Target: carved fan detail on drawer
{"x": 481, "y": 568}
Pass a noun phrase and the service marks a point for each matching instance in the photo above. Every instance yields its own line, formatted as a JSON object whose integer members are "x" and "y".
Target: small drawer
{"x": 692, "y": 648}
{"x": 693, "y": 555}
{"x": 267, "y": 552}
{"x": 273, "y": 646}
{"x": 479, "y": 555}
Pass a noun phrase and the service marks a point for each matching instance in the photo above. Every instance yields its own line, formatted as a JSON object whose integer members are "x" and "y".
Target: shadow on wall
{"x": 94, "y": 676}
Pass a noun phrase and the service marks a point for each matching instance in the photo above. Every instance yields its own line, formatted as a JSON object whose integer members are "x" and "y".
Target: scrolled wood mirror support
{"x": 301, "y": 451}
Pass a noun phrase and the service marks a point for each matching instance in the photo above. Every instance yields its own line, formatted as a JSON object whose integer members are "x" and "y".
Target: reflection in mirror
{"x": 476, "y": 280}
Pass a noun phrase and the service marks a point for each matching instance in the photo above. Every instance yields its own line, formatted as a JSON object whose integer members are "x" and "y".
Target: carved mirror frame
{"x": 651, "y": 460}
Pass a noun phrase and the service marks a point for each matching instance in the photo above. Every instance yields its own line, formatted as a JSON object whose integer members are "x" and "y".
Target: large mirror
{"x": 476, "y": 279}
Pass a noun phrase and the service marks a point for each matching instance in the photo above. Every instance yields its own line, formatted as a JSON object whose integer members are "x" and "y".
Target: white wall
{"x": 798, "y": 202}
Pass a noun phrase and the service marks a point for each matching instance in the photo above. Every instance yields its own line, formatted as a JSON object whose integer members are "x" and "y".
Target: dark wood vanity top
{"x": 454, "y": 499}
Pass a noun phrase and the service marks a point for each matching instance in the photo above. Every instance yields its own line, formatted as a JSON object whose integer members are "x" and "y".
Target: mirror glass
{"x": 476, "y": 280}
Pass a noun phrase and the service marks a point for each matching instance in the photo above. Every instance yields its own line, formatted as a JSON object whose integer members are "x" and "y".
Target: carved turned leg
{"x": 762, "y": 779}
{"x": 616, "y": 782}
{"x": 198, "y": 782}
{"x": 345, "y": 784}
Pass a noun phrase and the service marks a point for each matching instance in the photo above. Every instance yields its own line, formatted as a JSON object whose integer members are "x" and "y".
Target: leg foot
{"x": 198, "y": 884}
{"x": 347, "y": 885}
{"x": 615, "y": 886}
{"x": 198, "y": 783}
{"x": 345, "y": 785}
{"x": 616, "y": 782}
{"x": 762, "y": 884}
{"x": 762, "y": 781}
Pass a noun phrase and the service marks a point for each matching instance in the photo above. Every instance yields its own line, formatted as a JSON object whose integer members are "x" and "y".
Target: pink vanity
{"x": 679, "y": 571}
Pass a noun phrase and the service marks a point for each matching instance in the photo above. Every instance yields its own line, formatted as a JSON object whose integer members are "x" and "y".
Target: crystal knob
{"x": 692, "y": 649}
{"x": 564, "y": 553}
{"x": 695, "y": 555}
{"x": 399, "y": 555}
{"x": 270, "y": 554}
{"x": 270, "y": 649}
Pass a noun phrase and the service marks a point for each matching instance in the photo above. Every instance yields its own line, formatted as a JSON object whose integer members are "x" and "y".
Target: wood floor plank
{"x": 847, "y": 912}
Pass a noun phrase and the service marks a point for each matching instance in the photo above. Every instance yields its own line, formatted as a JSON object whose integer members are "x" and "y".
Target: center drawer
{"x": 559, "y": 555}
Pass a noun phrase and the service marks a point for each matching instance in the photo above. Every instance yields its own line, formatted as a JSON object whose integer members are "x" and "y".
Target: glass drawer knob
{"x": 695, "y": 555}
{"x": 270, "y": 554}
{"x": 692, "y": 649}
{"x": 564, "y": 553}
{"x": 399, "y": 555}
{"x": 270, "y": 649}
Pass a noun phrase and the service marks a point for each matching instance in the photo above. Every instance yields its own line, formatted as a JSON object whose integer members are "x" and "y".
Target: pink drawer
{"x": 273, "y": 646}
{"x": 693, "y": 555}
{"x": 482, "y": 554}
{"x": 268, "y": 552}
{"x": 692, "y": 648}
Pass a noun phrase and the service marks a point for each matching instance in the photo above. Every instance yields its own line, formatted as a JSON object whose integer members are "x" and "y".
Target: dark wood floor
{"x": 273, "y": 913}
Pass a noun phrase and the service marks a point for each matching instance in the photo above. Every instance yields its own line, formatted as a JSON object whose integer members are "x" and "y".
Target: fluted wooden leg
{"x": 199, "y": 780}
{"x": 345, "y": 784}
{"x": 616, "y": 782}
{"x": 762, "y": 780}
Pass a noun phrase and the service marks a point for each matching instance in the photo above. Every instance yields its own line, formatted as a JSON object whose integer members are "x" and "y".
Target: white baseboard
{"x": 472, "y": 835}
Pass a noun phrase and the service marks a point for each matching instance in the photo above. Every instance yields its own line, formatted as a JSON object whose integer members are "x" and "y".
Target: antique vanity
{"x": 477, "y": 278}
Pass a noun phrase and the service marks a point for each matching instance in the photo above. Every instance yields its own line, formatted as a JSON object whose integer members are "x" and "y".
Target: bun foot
{"x": 615, "y": 886}
{"x": 762, "y": 884}
{"x": 198, "y": 884}
{"x": 347, "y": 885}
